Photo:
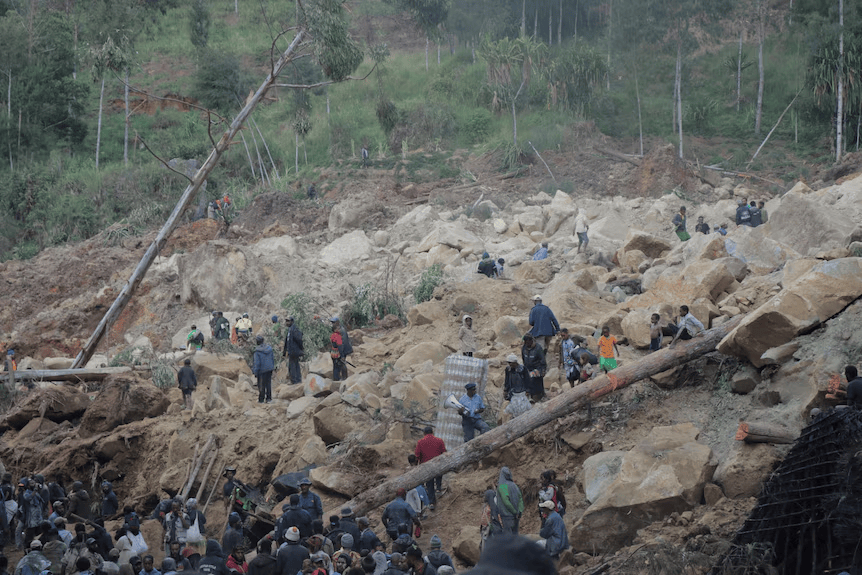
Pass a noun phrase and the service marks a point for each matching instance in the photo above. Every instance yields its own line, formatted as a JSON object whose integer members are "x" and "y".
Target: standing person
{"x": 743, "y": 214}
{"x": 312, "y": 191}
{"x": 418, "y": 565}
{"x": 308, "y": 500}
{"x": 553, "y": 530}
{"x": 550, "y": 491}
{"x": 236, "y": 562}
{"x": 195, "y": 338}
{"x": 679, "y": 225}
{"x": 176, "y": 526}
{"x": 853, "y": 391}
{"x": 655, "y": 335}
{"x": 510, "y": 502}
{"x": 262, "y": 369}
{"x": 213, "y": 563}
{"x": 437, "y": 557}
{"x": 221, "y": 326}
{"x": 515, "y": 387}
{"x": 701, "y": 226}
{"x": 10, "y": 364}
{"x": 689, "y": 326}
{"x": 294, "y": 350}
{"x": 289, "y": 557}
{"x": 471, "y": 413}
{"x": 233, "y": 535}
{"x": 187, "y": 381}
{"x": 467, "y": 337}
{"x": 243, "y": 328}
{"x": 398, "y": 512}
{"x": 264, "y": 562}
{"x": 341, "y": 350}
{"x": 427, "y": 448}
{"x": 756, "y": 215}
{"x": 364, "y": 153}
{"x": 535, "y": 367}
{"x": 764, "y": 215}
{"x": 608, "y": 350}
{"x": 491, "y": 523}
{"x": 545, "y": 325}
{"x": 110, "y": 505}
{"x": 213, "y": 320}
{"x": 567, "y": 360}
{"x": 33, "y": 563}
{"x": 581, "y": 229}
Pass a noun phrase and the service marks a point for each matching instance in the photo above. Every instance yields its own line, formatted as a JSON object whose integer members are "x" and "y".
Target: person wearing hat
{"x": 553, "y": 530}
{"x": 367, "y": 537}
{"x": 293, "y": 516}
{"x": 262, "y": 367}
{"x": 34, "y": 562}
{"x": 471, "y": 413}
{"x": 347, "y": 542}
{"x": 397, "y": 512}
{"x": 232, "y": 482}
{"x": 467, "y": 337}
{"x": 290, "y": 557}
{"x": 541, "y": 253}
{"x": 535, "y": 367}
{"x": 308, "y": 500}
{"x": 427, "y": 448}
{"x": 319, "y": 562}
{"x": 515, "y": 387}
{"x": 294, "y": 350}
{"x": 437, "y": 557}
{"x": 348, "y": 523}
{"x": 341, "y": 349}
{"x": 545, "y": 325}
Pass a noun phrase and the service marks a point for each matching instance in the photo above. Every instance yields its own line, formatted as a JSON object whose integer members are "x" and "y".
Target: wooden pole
{"x": 65, "y": 374}
{"x": 760, "y": 432}
{"x": 198, "y": 465}
{"x": 192, "y": 463}
{"x": 190, "y": 192}
{"x": 207, "y": 474}
{"x": 562, "y": 405}
{"x": 212, "y": 491}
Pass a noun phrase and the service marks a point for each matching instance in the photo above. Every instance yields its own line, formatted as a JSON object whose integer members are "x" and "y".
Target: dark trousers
{"x": 339, "y": 370}
{"x": 536, "y": 387}
{"x": 431, "y": 490}
{"x": 264, "y": 386}
{"x": 293, "y": 368}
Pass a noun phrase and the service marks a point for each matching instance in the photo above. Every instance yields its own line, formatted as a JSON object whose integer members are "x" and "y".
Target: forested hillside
{"x": 98, "y": 94}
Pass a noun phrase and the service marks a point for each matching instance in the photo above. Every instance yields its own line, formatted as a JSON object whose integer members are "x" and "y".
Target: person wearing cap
{"x": 233, "y": 535}
{"x": 111, "y": 567}
{"x": 418, "y": 564}
{"x": 290, "y": 557}
{"x": 319, "y": 563}
{"x": 397, "y": 512}
{"x": 545, "y": 325}
{"x": 471, "y": 413}
{"x": 221, "y": 326}
{"x": 110, "y": 505}
{"x": 515, "y": 387}
{"x": 427, "y": 448}
{"x": 347, "y": 543}
{"x": 187, "y": 381}
{"x": 553, "y": 530}
{"x": 264, "y": 563}
{"x": 308, "y": 500}
{"x": 136, "y": 539}
{"x": 541, "y": 253}
{"x": 294, "y": 350}
{"x": 467, "y": 337}
{"x": 293, "y": 516}
{"x": 437, "y": 557}
{"x": 535, "y": 367}
{"x": 341, "y": 349}
{"x": 262, "y": 367}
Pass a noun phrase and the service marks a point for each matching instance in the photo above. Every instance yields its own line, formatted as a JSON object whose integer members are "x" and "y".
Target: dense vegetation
{"x": 492, "y": 76}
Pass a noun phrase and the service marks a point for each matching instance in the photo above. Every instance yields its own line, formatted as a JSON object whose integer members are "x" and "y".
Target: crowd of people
{"x": 751, "y": 214}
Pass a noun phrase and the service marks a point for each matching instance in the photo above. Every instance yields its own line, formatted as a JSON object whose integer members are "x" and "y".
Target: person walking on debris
{"x": 688, "y": 327}
{"x": 545, "y": 325}
{"x": 608, "y": 350}
{"x": 364, "y": 154}
{"x": 110, "y": 505}
{"x": 679, "y": 225}
{"x": 471, "y": 413}
{"x": 515, "y": 387}
{"x": 550, "y": 491}
{"x": 398, "y": 512}
{"x": 553, "y": 531}
{"x": 467, "y": 337}
{"x": 221, "y": 327}
{"x": 491, "y": 523}
{"x": 187, "y": 381}
{"x": 510, "y": 502}
{"x": 427, "y": 448}
{"x": 581, "y": 229}
{"x": 294, "y": 350}
{"x": 341, "y": 350}
{"x": 308, "y": 500}
{"x": 195, "y": 338}
{"x": 262, "y": 367}
{"x": 743, "y": 214}
{"x": 535, "y": 367}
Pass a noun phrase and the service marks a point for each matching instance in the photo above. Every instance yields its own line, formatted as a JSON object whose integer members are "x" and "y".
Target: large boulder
{"x": 534, "y": 272}
{"x": 334, "y": 423}
{"x": 466, "y": 544}
{"x": 228, "y": 365}
{"x": 426, "y": 313}
{"x": 561, "y": 208}
{"x": 761, "y": 253}
{"x": 454, "y": 235}
{"x": 743, "y": 470}
{"x": 635, "y": 327}
{"x": 509, "y": 330}
{"x": 218, "y": 396}
{"x": 55, "y": 402}
{"x": 349, "y": 214}
{"x": 279, "y": 247}
{"x": 347, "y": 250}
{"x": 532, "y": 219}
{"x": 663, "y": 474}
{"x": 221, "y": 274}
{"x": 300, "y": 406}
{"x": 122, "y": 400}
{"x": 421, "y": 353}
{"x": 599, "y": 471}
{"x": 651, "y": 246}
{"x": 336, "y": 480}
{"x": 813, "y": 298}
{"x": 802, "y": 223}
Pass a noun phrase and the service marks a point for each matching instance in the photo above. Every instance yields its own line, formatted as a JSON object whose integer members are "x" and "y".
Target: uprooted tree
{"x": 321, "y": 33}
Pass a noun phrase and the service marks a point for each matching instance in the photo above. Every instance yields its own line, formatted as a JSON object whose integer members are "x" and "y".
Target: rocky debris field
{"x": 653, "y": 475}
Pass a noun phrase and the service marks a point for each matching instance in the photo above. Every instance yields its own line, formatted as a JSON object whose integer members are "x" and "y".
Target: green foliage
{"x": 428, "y": 14}
{"x": 199, "y": 24}
{"x": 428, "y": 281}
{"x": 337, "y": 52}
{"x": 387, "y": 114}
{"x": 477, "y": 127}
{"x": 315, "y": 327}
{"x": 369, "y": 303}
{"x": 221, "y": 82}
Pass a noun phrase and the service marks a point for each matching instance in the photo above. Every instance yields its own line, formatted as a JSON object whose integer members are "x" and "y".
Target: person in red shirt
{"x": 427, "y": 449}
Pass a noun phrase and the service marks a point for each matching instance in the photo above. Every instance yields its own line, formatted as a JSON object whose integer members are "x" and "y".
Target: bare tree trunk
{"x": 839, "y": 114}
{"x": 296, "y": 155}
{"x": 99, "y": 123}
{"x": 126, "y": 123}
{"x": 577, "y": 10}
{"x": 610, "y": 28}
{"x": 550, "y": 25}
{"x": 523, "y": 17}
{"x": 268, "y": 153}
{"x": 9, "y": 117}
{"x": 567, "y": 402}
{"x": 739, "y": 74}
{"x": 679, "y": 94}
{"x": 761, "y": 33}
{"x": 190, "y": 192}
{"x": 640, "y": 121}
{"x": 560, "y": 25}
{"x": 427, "y": 41}
{"x": 536, "y": 22}
{"x": 248, "y": 155}
{"x": 438, "y": 53}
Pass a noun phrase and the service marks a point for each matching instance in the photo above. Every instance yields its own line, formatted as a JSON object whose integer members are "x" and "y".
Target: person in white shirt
{"x": 689, "y": 326}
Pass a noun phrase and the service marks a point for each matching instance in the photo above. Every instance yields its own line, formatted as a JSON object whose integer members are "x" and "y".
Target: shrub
{"x": 430, "y": 279}
{"x": 315, "y": 329}
{"x": 477, "y": 128}
{"x": 369, "y": 303}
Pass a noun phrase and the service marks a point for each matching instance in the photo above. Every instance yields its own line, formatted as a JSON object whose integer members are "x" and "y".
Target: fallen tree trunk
{"x": 540, "y": 414}
{"x": 619, "y": 156}
{"x": 96, "y": 373}
{"x": 760, "y": 432}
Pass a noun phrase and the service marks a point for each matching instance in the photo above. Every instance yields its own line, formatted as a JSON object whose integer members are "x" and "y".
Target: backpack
{"x": 199, "y": 337}
{"x": 486, "y": 267}
{"x": 579, "y": 351}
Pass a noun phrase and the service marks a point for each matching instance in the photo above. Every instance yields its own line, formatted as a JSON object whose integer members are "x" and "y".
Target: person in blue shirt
{"x": 554, "y": 529}
{"x": 545, "y": 324}
{"x": 541, "y": 253}
{"x": 471, "y": 413}
{"x": 398, "y": 512}
{"x": 308, "y": 500}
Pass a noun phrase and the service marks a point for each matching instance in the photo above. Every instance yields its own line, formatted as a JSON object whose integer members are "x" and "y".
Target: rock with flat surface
{"x": 347, "y": 250}
{"x": 651, "y": 246}
{"x": 466, "y": 544}
{"x": 420, "y": 353}
{"x": 426, "y": 313}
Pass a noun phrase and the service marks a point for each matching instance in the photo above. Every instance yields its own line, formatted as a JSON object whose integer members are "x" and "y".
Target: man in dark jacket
{"x": 398, "y": 512}
{"x": 294, "y": 350}
{"x": 534, "y": 366}
{"x": 756, "y": 216}
{"x": 290, "y": 557}
{"x": 213, "y": 563}
{"x": 743, "y": 214}
{"x": 545, "y": 325}
{"x": 294, "y": 516}
{"x": 264, "y": 563}
{"x": 341, "y": 350}
{"x": 437, "y": 557}
{"x": 221, "y": 327}
{"x": 110, "y": 505}
{"x": 348, "y": 523}
{"x": 233, "y": 535}
{"x": 262, "y": 369}
{"x": 187, "y": 381}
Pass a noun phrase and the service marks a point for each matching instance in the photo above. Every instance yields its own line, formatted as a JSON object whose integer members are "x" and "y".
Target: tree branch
{"x": 156, "y": 156}
{"x": 327, "y": 83}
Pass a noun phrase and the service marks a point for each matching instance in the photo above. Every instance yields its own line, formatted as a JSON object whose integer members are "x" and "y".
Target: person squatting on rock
{"x": 187, "y": 381}
{"x": 471, "y": 413}
{"x": 294, "y": 350}
{"x": 341, "y": 350}
{"x": 535, "y": 367}
{"x": 553, "y": 532}
{"x": 262, "y": 367}
{"x": 467, "y": 337}
{"x": 545, "y": 325}
{"x": 541, "y": 253}
{"x": 515, "y": 387}
{"x": 688, "y": 326}
{"x": 427, "y": 448}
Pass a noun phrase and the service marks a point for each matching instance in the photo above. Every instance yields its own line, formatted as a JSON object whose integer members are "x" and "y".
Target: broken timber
{"x": 92, "y": 374}
{"x": 540, "y": 414}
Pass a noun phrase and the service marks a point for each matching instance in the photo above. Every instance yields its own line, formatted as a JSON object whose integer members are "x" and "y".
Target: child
{"x": 586, "y": 368}
{"x": 655, "y": 335}
{"x": 608, "y": 350}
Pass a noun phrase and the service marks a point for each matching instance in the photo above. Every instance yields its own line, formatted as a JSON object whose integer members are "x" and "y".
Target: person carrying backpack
{"x": 486, "y": 266}
{"x": 756, "y": 217}
{"x": 743, "y": 214}
{"x": 222, "y": 327}
{"x": 195, "y": 338}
